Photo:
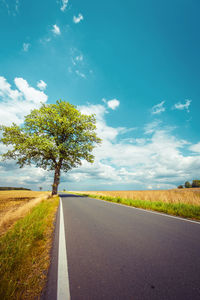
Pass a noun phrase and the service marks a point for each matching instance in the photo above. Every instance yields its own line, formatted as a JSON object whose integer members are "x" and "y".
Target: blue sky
{"x": 135, "y": 64}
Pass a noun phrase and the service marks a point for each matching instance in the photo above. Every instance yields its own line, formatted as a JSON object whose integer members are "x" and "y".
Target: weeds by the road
{"x": 24, "y": 253}
{"x": 174, "y": 208}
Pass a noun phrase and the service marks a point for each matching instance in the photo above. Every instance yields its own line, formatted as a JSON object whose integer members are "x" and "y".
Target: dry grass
{"x": 16, "y": 204}
{"x": 25, "y": 253}
{"x": 183, "y": 196}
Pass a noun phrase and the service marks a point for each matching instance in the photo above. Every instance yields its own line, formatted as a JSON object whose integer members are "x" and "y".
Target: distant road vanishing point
{"x": 105, "y": 251}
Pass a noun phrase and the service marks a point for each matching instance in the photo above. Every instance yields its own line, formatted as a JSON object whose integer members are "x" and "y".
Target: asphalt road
{"x": 117, "y": 252}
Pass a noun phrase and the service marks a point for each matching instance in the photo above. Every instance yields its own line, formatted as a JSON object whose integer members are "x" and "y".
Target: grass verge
{"x": 25, "y": 253}
{"x": 177, "y": 209}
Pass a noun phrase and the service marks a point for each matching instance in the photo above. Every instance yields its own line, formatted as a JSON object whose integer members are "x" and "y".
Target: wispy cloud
{"x": 82, "y": 75}
{"x": 26, "y": 46}
{"x": 79, "y": 65}
{"x": 182, "y": 106}
{"x": 12, "y": 6}
{"x": 152, "y": 127}
{"x": 78, "y": 19}
{"x": 41, "y": 85}
{"x": 45, "y": 40}
{"x": 56, "y": 30}
{"x": 17, "y": 5}
{"x": 64, "y": 5}
{"x": 158, "y": 108}
{"x": 195, "y": 148}
{"x": 79, "y": 57}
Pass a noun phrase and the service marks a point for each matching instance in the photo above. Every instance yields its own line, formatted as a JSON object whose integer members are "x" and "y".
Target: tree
{"x": 187, "y": 185}
{"x": 55, "y": 137}
{"x": 196, "y": 183}
{"x": 180, "y": 186}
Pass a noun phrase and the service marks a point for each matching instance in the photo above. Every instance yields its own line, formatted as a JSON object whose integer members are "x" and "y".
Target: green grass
{"x": 24, "y": 253}
{"x": 177, "y": 209}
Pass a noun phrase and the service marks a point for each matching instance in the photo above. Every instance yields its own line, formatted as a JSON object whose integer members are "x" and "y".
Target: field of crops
{"x": 186, "y": 196}
{"x": 15, "y": 204}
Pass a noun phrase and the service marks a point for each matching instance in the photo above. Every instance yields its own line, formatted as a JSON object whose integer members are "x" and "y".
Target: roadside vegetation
{"x": 25, "y": 252}
{"x": 184, "y": 203}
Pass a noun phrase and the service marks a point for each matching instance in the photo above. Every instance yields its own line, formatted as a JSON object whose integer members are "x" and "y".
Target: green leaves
{"x": 54, "y": 135}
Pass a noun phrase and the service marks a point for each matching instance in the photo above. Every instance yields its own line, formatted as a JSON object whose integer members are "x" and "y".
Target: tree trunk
{"x": 56, "y": 180}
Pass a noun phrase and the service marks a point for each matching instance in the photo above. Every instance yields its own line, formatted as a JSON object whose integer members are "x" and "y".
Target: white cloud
{"x": 182, "y": 106}
{"x": 45, "y": 40}
{"x": 26, "y": 47}
{"x": 80, "y": 74}
{"x": 6, "y": 91}
{"x": 78, "y": 19}
{"x": 159, "y": 158}
{"x": 79, "y": 64}
{"x": 17, "y": 5}
{"x": 56, "y": 30}
{"x": 79, "y": 58}
{"x": 149, "y": 187}
{"x": 30, "y": 93}
{"x": 28, "y": 176}
{"x": 113, "y": 104}
{"x": 16, "y": 103}
{"x": 152, "y": 127}
{"x": 105, "y": 132}
{"x": 158, "y": 108}
{"x": 64, "y": 5}
{"x": 98, "y": 170}
{"x": 41, "y": 85}
{"x": 195, "y": 148}
{"x": 73, "y": 62}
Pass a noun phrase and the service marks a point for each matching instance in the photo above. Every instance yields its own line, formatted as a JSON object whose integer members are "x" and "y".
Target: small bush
{"x": 180, "y": 186}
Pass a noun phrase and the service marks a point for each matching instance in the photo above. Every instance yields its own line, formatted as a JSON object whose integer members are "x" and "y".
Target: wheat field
{"x": 16, "y": 204}
{"x": 186, "y": 196}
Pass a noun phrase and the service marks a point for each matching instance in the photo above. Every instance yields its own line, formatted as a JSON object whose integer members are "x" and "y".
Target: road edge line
{"x": 63, "y": 292}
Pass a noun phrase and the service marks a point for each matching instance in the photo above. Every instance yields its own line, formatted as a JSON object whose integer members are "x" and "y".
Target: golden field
{"x": 15, "y": 204}
{"x": 186, "y": 196}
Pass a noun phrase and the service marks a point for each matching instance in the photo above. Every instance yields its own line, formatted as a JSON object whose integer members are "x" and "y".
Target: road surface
{"x": 118, "y": 252}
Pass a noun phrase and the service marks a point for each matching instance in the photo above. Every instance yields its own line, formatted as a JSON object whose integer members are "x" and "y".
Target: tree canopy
{"x": 55, "y": 137}
{"x": 196, "y": 183}
{"x": 187, "y": 185}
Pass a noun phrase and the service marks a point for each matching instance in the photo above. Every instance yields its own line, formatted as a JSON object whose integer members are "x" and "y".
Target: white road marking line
{"x": 63, "y": 292}
{"x": 149, "y": 211}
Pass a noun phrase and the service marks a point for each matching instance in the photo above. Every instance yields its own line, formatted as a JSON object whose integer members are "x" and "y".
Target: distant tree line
{"x": 3, "y": 188}
{"x": 195, "y": 184}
